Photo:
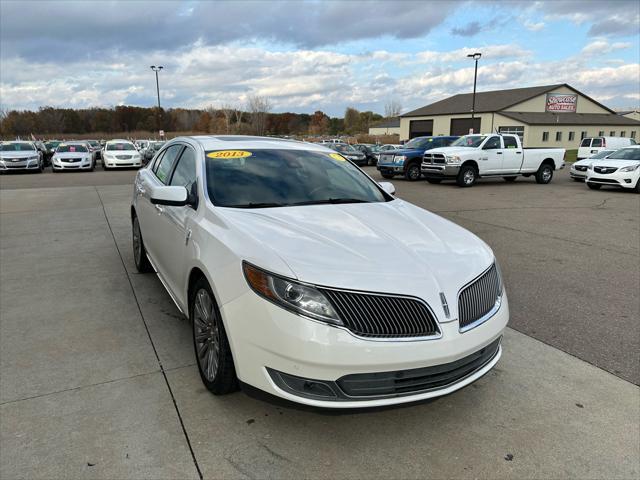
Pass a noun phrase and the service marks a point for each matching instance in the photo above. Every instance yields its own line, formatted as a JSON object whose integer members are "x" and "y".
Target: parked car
{"x": 369, "y": 150}
{"x": 578, "y": 169}
{"x": 349, "y": 152}
{"x": 620, "y": 169}
{"x": 95, "y": 148}
{"x": 592, "y": 145}
{"x": 120, "y": 154}
{"x": 490, "y": 155}
{"x": 278, "y": 253}
{"x": 151, "y": 150}
{"x": 73, "y": 156}
{"x": 407, "y": 160}
{"x": 51, "y": 146}
{"x": 40, "y": 146}
{"x": 20, "y": 155}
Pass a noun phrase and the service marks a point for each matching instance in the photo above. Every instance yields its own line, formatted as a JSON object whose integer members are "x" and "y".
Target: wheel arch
{"x": 472, "y": 163}
{"x": 549, "y": 161}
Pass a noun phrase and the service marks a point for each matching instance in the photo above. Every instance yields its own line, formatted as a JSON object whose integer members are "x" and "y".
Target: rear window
{"x": 509, "y": 142}
{"x": 71, "y": 148}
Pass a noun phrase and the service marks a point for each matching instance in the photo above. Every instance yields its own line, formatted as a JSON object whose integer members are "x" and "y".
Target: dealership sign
{"x": 561, "y": 102}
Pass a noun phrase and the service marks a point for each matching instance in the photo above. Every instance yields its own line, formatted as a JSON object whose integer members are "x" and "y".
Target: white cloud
{"x": 534, "y": 26}
{"x": 602, "y": 46}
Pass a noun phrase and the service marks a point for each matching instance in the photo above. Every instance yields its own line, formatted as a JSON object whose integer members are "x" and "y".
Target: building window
{"x": 583, "y": 135}
{"x": 633, "y": 134}
{"x": 514, "y": 131}
{"x": 545, "y": 136}
{"x": 572, "y": 136}
{"x": 558, "y": 136}
{"x": 601, "y": 133}
{"x": 623, "y": 133}
{"x": 612, "y": 133}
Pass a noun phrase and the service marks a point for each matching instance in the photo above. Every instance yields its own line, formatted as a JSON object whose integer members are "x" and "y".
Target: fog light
{"x": 304, "y": 387}
{"x": 627, "y": 180}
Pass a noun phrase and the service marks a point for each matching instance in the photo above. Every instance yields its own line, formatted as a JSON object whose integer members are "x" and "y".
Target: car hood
{"x": 352, "y": 154}
{"x": 23, "y": 154}
{"x": 454, "y": 150}
{"x": 408, "y": 151}
{"x": 610, "y": 162}
{"x": 392, "y": 247}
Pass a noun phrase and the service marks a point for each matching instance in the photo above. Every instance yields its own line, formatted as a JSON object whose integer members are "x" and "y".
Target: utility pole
{"x": 157, "y": 69}
{"x": 476, "y": 56}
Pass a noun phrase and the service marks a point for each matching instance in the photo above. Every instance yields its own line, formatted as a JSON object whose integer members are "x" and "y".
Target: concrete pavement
{"x": 97, "y": 377}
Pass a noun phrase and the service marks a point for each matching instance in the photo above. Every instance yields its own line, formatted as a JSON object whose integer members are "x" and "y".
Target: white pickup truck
{"x": 490, "y": 155}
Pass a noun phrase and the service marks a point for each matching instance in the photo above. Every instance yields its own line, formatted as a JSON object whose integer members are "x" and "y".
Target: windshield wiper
{"x": 257, "y": 205}
{"x": 331, "y": 200}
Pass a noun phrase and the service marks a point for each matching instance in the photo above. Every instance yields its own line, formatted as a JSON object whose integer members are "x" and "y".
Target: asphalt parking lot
{"x": 98, "y": 378}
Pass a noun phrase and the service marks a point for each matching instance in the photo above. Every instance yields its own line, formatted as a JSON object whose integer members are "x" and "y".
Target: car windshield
{"x": 120, "y": 146}
{"x": 71, "y": 148}
{"x": 469, "y": 141}
{"x": 625, "y": 154}
{"x": 16, "y": 147}
{"x": 93, "y": 143}
{"x": 344, "y": 148}
{"x": 601, "y": 154}
{"x": 418, "y": 143}
{"x": 156, "y": 145}
{"x": 278, "y": 178}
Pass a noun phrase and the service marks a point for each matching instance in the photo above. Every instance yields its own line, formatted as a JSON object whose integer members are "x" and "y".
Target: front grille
{"x": 404, "y": 382}
{"x": 386, "y": 158}
{"x": 383, "y": 316}
{"x": 433, "y": 158}
{"x": 123, "y": 157}
{"x": 604, "y": 170}
{"x": 604, "y": 180}
{"x": 581, "y": 168}
{"x": 71, "y": 160}
{"x": 479, "y": 297}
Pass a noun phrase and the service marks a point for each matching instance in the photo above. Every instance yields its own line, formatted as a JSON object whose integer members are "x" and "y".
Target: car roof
{"x": 119, "y": 140}
{"x": 229, "y": 142}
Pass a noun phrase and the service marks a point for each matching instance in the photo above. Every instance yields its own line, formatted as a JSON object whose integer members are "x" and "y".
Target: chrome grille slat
{"x": 478, "y": 298}
{"x": 383, "y": 316}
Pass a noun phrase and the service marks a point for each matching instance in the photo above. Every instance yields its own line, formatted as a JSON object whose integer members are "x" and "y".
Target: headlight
{"x": 399, "y": 159}
{"x": 453, "y": 159}
{"x": 630, "y": 168}
{"x": 291, "y": 295}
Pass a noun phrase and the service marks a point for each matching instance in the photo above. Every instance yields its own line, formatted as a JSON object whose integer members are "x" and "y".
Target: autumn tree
{"x": 258, "y": 108}
{"x": 392, "y": 108}
{"x": 319, "y": 124}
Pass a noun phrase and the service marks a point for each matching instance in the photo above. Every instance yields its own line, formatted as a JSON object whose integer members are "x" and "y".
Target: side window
{"x": 597, "y": 142}
{"x": 492, "y": 144}
{"x": 184, "y": 174}
{"x": 166, "y": 163}
{"x": 154, "y": 167}
{"x": 509, "y": 142}
{"x": 586, "y": 142}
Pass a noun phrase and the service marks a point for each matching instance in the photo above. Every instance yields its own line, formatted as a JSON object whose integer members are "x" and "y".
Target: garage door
{"x": 420, "y": 128}
{"x": 461, "y": 126}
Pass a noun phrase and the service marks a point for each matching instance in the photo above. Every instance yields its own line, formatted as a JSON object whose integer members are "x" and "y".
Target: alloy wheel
{"x": 469, "y": 177}
{"x": 206, "y": 333}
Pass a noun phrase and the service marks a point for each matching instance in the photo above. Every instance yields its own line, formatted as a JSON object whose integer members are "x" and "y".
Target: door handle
{"x": 499, "y": 153}
{"x": 518, "y": 152}
{"x": 159, "y": 209}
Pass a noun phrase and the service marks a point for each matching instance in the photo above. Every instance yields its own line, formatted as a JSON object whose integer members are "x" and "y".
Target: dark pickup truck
{"x": 406, "y": 161}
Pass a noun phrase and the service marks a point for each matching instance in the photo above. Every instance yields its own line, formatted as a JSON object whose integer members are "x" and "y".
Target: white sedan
{"x": 305, "y": 279}
{"x": 620, "y": 169}
{"x": 72, "y": 156}
{"x": 120, "y": 154}
{"x": 579, "y": 168}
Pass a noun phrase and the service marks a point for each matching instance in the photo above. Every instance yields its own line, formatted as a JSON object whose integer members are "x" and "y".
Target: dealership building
{"x": 550, "y": 115}
{"x": 388, "y": 126}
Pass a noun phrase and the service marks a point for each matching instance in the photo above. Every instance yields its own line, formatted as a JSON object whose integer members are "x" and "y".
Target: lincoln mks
{"x": 304, "y": 278}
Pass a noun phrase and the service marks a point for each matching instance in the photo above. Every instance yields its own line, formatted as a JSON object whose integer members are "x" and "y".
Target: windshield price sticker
{"x": 229, "y": 154}
{"x": 337, "y": 156}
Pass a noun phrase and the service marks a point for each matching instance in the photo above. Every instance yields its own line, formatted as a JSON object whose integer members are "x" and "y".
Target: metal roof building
{"x": 550, "y": 115}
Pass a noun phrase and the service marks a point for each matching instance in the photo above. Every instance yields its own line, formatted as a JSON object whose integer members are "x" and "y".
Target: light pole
{"x": 157, "y": 69}
{"x": 476, "y": 56}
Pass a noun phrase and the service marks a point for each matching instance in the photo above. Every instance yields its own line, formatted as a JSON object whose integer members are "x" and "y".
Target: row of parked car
{"x": 75, "y": 154}
{"x": 361, "y": 154}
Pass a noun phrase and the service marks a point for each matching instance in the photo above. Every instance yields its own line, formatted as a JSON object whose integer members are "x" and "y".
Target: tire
{"x": 467, "y": 176}
{"x": 637, "y": 187}
{"x": 544, "y": 174}
{"x": 510, "y": 179}
{"x": 210, "y": 342}
{"x": 594, "y": 186}
{"x": 387, "y": 175}
{"x": 104, "y": 166}
{"x": 578, "y": 180}
{"x": 139, "y": 252}
{"x": 434, "y": 181}
{"x": 413, "y": 173}
{"x": 93, "y": 166}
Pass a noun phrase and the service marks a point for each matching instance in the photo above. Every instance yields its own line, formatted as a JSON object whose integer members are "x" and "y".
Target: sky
{"x": 311, "y": 55}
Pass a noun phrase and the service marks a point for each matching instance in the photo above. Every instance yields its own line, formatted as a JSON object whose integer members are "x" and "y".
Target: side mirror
{"x": 388, "y": 187}
{"x": 174, "y": 196}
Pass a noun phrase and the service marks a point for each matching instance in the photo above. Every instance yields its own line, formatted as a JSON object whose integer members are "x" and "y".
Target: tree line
{"x": 254, "y": 118}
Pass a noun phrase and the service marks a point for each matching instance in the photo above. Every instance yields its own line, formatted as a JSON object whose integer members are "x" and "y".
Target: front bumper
{"x": 617, "y": 179}
{"x": 266, "y": 338}
{"x": 390, "y": 168}
{"x": 129, "y": 163}
{"x": 6, "y": 165}
{"x": 432, "y": 170}
{"x": 62, "y": 165}
{"x": 577, "y": 174}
